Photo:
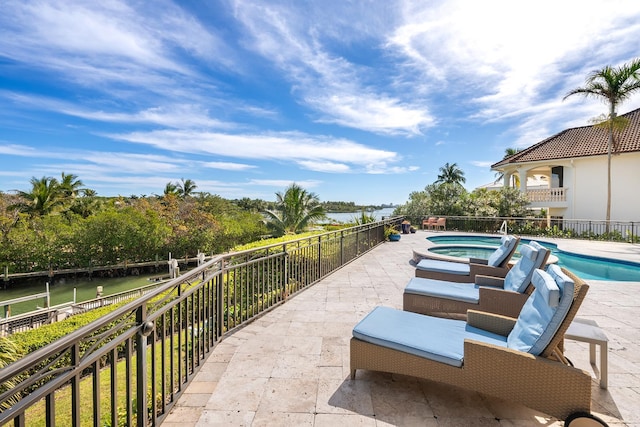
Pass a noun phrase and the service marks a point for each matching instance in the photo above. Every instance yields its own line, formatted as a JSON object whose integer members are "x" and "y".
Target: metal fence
{"x": 130, "y": 366}
{"x": 618, "y": 231}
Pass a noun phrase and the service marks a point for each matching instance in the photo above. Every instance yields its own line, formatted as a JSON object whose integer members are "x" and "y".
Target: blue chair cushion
{"x": 543, "y": 251}
{"x": 439, "y": 266}
{"x": 543, "y": 312}
{"x": 519, "y": 276}
{"x": 466, "y": 292}
{"x": 434, "y": 338}
{"x": 499, "y": 255}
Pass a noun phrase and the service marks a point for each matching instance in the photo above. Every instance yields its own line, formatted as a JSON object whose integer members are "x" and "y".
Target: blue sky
{"x": 354, "y": 100}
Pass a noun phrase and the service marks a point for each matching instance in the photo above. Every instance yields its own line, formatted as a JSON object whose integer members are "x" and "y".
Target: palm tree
{"x": 171, "y": 189}
{"x": 186, "y": 187}
{"x": 451, "y": 174}
{"x": 70, "y": 185}
{"x": 613, "y": 85}
{"x": 508, "y": 152}
{"x": 296, "y": 209}
{"x": 44, "y": 198}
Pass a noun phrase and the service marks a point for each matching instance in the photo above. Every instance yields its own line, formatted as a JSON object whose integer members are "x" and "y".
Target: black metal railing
{"x": 618, "y": 231}
{"x": 130, "y": 366}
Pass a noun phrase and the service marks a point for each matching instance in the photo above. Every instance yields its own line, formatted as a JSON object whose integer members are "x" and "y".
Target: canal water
{"x": 62, "y": 290}
{"x": 346, "y": 217}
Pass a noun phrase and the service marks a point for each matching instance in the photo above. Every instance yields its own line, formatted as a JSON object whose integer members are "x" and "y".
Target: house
{"x": 573, "y": 164}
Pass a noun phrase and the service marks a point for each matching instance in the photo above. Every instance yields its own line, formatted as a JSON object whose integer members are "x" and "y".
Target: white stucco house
{"x": 573, "y": 163}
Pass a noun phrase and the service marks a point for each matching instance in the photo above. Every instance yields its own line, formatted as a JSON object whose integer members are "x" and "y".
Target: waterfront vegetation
{"x": 166, "y": 334}
{"x": 58, "y": 224}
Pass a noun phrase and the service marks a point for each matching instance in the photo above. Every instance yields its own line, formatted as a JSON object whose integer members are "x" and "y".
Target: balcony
{"x": 548, "y": 197}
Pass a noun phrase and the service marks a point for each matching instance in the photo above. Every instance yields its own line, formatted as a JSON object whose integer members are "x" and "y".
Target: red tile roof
{"x": 580, "y": 142}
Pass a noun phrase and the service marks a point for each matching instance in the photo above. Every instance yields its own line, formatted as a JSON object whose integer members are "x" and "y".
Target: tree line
{"x": 60, "y": 224}
{"x": 446, "y": 196}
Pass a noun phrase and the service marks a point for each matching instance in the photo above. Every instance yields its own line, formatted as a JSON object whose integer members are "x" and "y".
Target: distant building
{"x": 570, "y": 171}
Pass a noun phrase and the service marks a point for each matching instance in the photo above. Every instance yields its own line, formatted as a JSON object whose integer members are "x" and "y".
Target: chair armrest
{"x": 502, "y": 302}
{"x": 501, "y": 325}
{"x": 487, "y": 270}
{"x": 479, "y": 261}
{"x": 482, "y": 280}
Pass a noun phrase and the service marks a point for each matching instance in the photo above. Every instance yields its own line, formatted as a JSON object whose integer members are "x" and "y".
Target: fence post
{"x": 47, "y": 299}
{"x": 341, "y": 247}
{"x": 146, "y": 328}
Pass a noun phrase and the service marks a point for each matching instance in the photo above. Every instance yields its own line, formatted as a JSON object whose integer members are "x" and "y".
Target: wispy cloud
{"x": 127, "y": 50}
{"x": 284, "y": 146}
{"x": 229, "y": 166}
{"x": 337, "y": 90}
{"x": 281, "y": 183}
{"x": 509, "y": 65}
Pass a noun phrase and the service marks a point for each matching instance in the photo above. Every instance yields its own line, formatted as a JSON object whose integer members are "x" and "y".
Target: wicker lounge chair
{"x": 519, "y": 360}
{"x": 496, "y": 265}
{"x": 504, "y": 296}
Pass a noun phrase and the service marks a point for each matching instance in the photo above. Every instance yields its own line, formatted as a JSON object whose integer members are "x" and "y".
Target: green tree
{"x": 418, "y": 205}
{"x": 45, "y": 197}
{"x": 186, "y": 187}
{"x": 448, "y": 198}
{"x": 612, "y": 85}
{"x": 114, "y": 235}
{"x": 295, "y": 210}
{"x": 171, "y": 189}
{"x": 451, "y": 174}
{"x": 482, "y": 202}
{"x": 512, "y": 203}
{"x": 70, "y": 185}
{"x": 508, "y": 152}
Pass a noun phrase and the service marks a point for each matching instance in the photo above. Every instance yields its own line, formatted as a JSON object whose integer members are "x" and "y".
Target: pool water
{"x": 586, "y": 267}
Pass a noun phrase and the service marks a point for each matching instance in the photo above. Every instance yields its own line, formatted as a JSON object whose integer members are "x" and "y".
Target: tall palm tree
{"x": 70, "y": 185}
{"x": 613, "y": 85}
{"x": 44, "y": 198}
{"x": 186, "y": 187}
{"x": 295, "y": 210}
{"x": 171, "y": 188}
{"x": 508, "y": 152}
{"x": 451, "y": 174}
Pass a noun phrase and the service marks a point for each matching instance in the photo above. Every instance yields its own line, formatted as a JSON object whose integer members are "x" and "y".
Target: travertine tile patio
{"x": 291, "y": 366}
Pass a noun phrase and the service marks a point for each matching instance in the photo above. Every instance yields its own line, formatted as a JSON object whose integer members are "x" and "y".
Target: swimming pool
{"x": 585, "y": 266}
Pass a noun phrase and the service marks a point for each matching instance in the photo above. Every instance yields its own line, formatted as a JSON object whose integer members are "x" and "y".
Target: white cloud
{"x": 330, "y": 167}
{"x": 19, "y": 150}
{"x": 283, "y": 183}
{"x": 114, "y": 47}
{"x": 340, "y": 91}
{"x": 482, "y": 164}
{"x": 284, "y": 146}
{"x": 229, "y": 166}
{"x": 507, "y": 57}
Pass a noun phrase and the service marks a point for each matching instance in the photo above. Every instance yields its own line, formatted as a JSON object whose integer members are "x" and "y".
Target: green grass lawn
{"x": 35, "y": 416}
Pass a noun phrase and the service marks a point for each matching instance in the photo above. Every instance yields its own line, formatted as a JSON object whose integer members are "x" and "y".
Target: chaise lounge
{"x": 496, "y": 265}
{"x": 504, "y": 296}
{"x": 519, "y": 360}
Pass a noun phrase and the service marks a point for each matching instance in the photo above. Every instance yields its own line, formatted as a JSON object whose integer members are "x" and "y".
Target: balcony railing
{"x": 130, "y": 366}
{"x": 547, "y": 195}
